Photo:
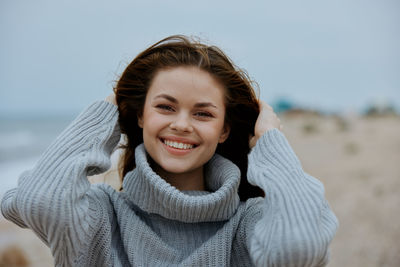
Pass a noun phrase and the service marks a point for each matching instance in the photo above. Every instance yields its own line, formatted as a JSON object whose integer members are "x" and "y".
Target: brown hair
{"x": 177, "y": 50}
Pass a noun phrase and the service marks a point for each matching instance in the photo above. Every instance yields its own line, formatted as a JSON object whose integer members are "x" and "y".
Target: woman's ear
{"x": 140, "y": 121}
{"x": 225, "y": 133}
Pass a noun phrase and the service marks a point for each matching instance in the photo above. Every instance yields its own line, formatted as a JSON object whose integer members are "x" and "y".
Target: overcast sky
{"x": 58, "y": 56}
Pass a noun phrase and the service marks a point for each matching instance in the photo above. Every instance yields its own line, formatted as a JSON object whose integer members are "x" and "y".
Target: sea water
{"x": 22, "y": 141}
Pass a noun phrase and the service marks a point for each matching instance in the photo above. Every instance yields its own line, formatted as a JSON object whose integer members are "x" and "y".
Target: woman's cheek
{"x": 212, "y": 131}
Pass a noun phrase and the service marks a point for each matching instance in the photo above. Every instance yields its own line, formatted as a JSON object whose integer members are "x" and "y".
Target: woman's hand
{"x": 267, "y": 120}
{"x": 111, "y": 99}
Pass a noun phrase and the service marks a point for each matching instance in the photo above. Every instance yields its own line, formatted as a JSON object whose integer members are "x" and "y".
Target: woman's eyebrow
{"x": 197, "y": 105}
{"x": 205, "y": 105}
{"x": 168, "y": 97}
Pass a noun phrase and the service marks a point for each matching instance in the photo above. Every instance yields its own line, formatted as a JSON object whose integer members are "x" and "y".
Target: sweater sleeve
{"x": 293, "y": 225}
{"x": 51, "y": 198}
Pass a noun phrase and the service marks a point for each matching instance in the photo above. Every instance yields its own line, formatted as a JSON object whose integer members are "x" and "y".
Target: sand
{"x": 358, "y": 160}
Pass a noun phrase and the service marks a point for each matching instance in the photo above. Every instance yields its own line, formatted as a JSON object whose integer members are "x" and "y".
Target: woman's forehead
{"x": 190, "y": 83}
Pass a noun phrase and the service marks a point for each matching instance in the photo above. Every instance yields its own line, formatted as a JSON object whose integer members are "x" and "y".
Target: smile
{"x": 177, "y": 145}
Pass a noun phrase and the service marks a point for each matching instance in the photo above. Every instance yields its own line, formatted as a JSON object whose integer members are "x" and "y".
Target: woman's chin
{"x": 175, "y": 170}
{"x": 171, "y": 170}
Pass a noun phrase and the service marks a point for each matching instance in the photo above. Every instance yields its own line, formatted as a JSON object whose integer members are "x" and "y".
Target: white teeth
{"x": 178, "y": 145}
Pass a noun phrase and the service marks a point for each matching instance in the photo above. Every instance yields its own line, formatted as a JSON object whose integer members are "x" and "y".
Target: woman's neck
{"x": 187, "y": 181}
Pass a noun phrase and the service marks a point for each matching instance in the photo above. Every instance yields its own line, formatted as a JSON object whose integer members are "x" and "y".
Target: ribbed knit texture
{"x": 151, "y": 223}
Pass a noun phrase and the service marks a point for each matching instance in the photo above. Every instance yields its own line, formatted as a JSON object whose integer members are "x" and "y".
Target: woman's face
{"x": 183, "y": 119}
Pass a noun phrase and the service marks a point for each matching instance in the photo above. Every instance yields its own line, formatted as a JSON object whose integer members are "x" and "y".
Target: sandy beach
{"x": 356, "y": 158}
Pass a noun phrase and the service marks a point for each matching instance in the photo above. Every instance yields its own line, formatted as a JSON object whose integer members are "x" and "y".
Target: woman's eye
{"x": 203, "y": 114}
{"x": 165, "y": 107}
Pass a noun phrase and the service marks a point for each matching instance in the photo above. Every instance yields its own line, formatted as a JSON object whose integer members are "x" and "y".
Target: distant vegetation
{"x": 376, "y": 108}
{"x": 380, "y": 110}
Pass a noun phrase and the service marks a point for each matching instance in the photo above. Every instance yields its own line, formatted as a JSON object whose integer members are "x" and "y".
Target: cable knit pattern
{"x": 151, "y": 223}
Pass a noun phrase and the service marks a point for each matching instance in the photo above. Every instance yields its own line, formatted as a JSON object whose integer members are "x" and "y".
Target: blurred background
{"x": 330, "y": 68}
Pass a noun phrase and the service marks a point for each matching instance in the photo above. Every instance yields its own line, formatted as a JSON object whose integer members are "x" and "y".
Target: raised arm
{"x": 296, "y": 224}
{"x": 51, "y": 198}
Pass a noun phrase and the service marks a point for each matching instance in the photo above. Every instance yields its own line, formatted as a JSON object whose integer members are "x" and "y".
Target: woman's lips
{"x": 178, "y": 146}
{"x": 178, "y": 139}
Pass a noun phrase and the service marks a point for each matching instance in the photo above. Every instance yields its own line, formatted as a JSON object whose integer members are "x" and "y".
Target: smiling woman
{"x": 183, "y": 121}
{"x": 195, "y": 69}
{"x": 192, "y": 193}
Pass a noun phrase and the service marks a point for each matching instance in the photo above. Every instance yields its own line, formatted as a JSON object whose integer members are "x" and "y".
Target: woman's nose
{"x": 182, "y": 123}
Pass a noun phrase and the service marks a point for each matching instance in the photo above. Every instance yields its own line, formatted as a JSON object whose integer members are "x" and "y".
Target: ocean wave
{"x": 10, "y": 172}
{"x": 16, "y": 140}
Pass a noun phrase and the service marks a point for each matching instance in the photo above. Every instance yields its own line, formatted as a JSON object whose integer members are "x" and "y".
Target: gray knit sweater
{"x": 151, "y": 223}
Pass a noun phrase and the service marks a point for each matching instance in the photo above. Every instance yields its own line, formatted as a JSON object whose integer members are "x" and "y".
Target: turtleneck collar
{"x": 153, "y": 194}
